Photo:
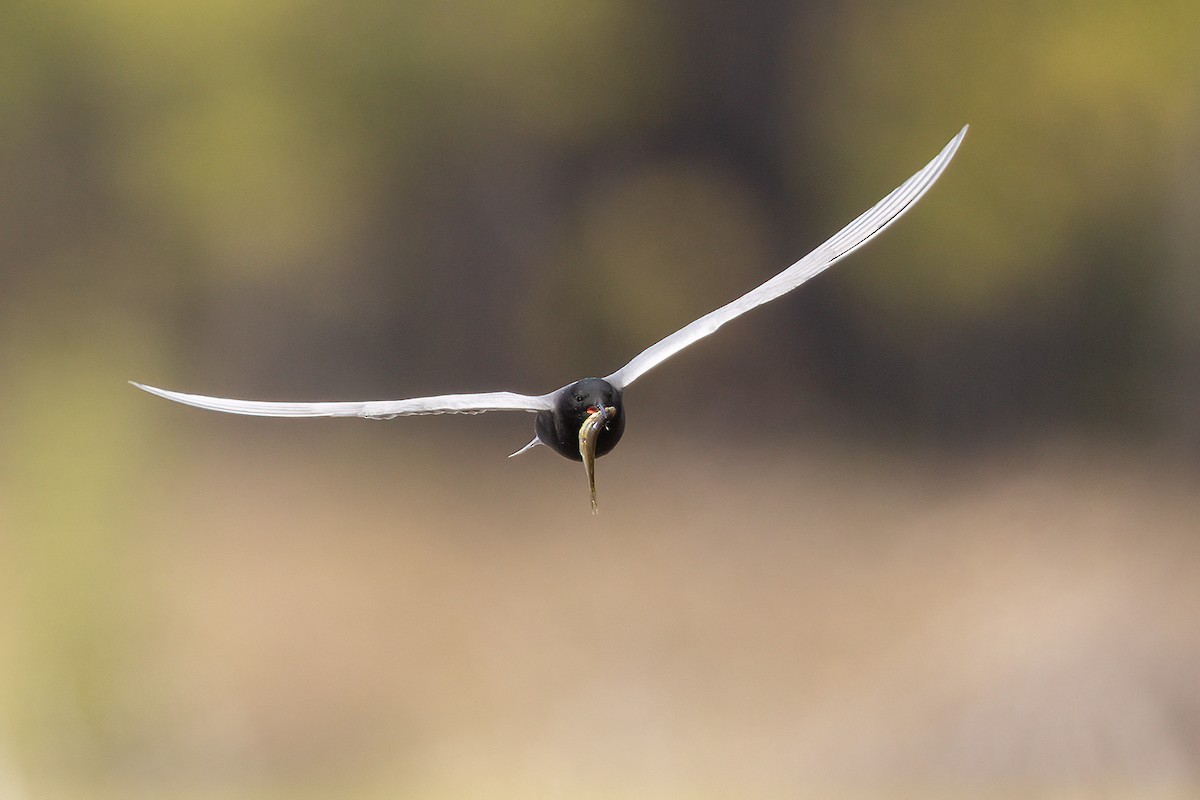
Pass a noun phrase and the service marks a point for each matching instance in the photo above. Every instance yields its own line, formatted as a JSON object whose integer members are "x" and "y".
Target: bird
{"x": 585, "y": 419}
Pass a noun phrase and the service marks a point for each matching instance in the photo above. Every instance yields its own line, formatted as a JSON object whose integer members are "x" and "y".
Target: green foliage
{"x": 1080, "y": 113}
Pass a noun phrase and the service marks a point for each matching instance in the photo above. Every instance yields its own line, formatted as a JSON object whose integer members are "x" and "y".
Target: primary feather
{"x": 866, "y": 227}
{"x": 371, "y": 409}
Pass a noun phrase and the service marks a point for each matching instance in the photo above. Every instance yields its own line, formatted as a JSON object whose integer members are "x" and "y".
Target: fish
{"x": 589, "y": 434}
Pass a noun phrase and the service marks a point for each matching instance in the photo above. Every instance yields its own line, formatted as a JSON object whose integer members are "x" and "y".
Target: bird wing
{"x": 846, "y": 241}
{"x": 372, "y": 409}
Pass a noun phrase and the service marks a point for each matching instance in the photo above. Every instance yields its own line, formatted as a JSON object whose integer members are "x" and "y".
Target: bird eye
{"x": 578, "y": 398}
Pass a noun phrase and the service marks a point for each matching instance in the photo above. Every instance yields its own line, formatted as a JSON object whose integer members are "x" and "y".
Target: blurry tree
{"x": 1034, "y": 286}
{"x": 307, "y": 195}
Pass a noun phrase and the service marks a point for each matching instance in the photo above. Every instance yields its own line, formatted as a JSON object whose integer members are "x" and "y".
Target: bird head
{"x": 561, "y": 426}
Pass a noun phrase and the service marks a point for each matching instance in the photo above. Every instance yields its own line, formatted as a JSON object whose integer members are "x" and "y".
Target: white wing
{"x": 373, "y": 409}
{"x": 846, "y": 241}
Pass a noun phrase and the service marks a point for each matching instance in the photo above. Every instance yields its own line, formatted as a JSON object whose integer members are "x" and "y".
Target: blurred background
{"x": 928, "y": 527}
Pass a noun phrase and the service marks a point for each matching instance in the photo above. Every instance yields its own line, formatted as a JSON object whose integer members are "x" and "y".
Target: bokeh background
{"x": 928, "y": 528}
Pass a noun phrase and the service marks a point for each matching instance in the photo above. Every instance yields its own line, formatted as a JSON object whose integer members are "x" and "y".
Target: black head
{"x": 573, "y": 404}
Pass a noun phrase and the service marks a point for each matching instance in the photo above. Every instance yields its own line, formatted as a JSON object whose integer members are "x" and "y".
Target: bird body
{"x": 559, "y": 428}
{"x": 585, "y": 419}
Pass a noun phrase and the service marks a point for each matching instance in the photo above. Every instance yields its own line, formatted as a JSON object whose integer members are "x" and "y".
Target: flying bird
{"x": 586, "y": 418}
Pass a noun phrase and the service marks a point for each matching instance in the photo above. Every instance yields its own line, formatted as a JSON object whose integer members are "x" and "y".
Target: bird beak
{"x": 589, "y": 434}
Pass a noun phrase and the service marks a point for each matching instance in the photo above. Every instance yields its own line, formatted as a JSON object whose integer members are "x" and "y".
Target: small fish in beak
{"x": 589, "y": 433}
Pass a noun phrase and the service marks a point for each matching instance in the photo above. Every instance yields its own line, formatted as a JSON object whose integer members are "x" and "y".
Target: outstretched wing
{"x": 372, "y": 409}
{"x": 846, "y": 241}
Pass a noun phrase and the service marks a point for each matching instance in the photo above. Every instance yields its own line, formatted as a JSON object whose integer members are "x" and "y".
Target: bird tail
{"x": 536, "y": 441}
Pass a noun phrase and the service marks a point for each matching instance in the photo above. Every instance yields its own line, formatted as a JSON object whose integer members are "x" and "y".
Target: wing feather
{"x": 371, "y": 409}
{"x": 868, "y": 225}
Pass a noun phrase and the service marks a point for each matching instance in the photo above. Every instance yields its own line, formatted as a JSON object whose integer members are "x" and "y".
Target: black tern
{"x": 585, "y": 419}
